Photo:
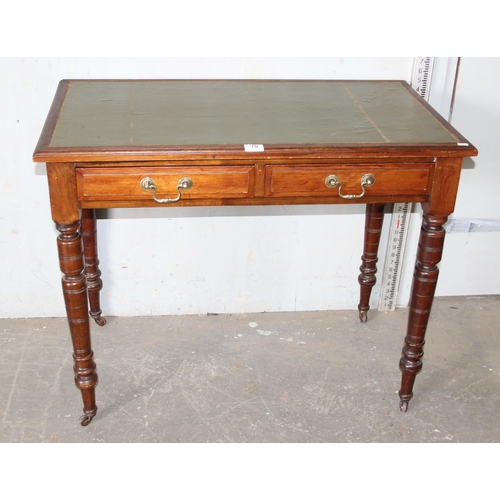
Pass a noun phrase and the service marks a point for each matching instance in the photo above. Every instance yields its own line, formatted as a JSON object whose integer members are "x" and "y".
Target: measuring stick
{"x": 398, "y": 231}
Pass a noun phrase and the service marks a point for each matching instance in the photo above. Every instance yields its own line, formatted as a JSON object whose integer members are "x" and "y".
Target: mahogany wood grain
{"x": 304, "y": 180}
{"x": 124, "y": 183}
{"x": 101, "y": 137}
{"x": 70, "y": 247}
{"x": 92, "y": 271}
{"x": 430, "y": 249}
{"x": 373, "y": 228}
{"x": 63, "y": 193}
{"x": 445, "y": 186}
{"x": 334, "y": 199}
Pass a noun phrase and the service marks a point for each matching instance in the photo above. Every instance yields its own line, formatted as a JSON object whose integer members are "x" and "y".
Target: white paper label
{"x": 462, "y": 143}
{"x": 253, "y": 148}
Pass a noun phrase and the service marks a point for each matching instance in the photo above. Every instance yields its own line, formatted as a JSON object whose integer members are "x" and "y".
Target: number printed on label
{"x": 253, "y": 148}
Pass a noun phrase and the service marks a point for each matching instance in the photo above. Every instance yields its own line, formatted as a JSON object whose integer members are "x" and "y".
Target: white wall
{"x": 470, "y": 263}
{"x": 199, "y": 260}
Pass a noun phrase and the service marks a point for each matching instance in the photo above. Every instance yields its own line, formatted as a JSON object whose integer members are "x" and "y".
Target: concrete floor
{"x": 274, "y": 377}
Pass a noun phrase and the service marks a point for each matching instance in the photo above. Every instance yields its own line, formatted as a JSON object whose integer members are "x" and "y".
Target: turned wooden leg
{"x": 70, "y": 247}
{"x": 92, "y": 271}
{"x": 430, "y": 249}
{"x": 373, "y": 228}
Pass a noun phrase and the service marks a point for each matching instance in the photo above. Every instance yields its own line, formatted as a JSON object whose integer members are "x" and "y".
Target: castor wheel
{"x": 99, "y": 320}
{"x": 363, "y": 316}
{"x": 85, "y": 420}
{"x": 403, "y": 406}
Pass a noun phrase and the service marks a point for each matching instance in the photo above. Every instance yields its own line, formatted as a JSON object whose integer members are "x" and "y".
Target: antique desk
{"x": 150, "y": 143}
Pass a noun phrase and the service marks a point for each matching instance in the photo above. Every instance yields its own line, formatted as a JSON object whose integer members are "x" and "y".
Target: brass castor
{"x": 85, "y": 420}
{"x": 363, "y": 316}
{"x": 100, "y": 321}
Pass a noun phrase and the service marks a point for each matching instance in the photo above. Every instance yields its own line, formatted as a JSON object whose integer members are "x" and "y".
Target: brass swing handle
{"x": 366, "y": 181}
{"x": 148, "y": 184}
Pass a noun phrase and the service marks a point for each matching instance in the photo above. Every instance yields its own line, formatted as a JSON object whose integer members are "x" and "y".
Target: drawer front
{"x": 311, "y": 180}
{"x": 124, "y": 183}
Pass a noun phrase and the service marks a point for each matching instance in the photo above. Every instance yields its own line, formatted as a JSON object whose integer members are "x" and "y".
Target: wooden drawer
{"x": 124, "y": 183}
{"x": 309, "y": 180}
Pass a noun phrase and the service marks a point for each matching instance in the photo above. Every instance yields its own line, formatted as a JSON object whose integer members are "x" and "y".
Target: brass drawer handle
{"x": 367, "y": 180}
{"x": 148, "y": 184}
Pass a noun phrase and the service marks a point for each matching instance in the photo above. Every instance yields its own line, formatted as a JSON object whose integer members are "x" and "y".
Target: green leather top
{"x": 193, "y": 112}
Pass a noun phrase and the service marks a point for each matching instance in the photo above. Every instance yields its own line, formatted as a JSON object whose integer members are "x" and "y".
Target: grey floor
{"x": 269, "y": 378}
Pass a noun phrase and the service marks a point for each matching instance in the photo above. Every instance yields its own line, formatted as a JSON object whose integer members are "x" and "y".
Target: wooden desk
{"x": 149, "y": 143}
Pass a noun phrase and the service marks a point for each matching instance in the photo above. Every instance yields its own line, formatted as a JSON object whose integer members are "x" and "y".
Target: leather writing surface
{"x": 173, "y": 113}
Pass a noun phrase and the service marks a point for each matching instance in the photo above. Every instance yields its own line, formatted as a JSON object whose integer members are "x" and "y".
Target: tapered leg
{"x": 373, "y": 228}
{"x": 430, "y": 249}
{"x": 70, "y": 247}
{"x": 92, "y": 271}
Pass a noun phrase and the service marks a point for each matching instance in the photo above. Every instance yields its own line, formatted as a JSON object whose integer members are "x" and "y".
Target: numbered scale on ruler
{"x": 394, "y": 256}
{"x": 422, "y": 71}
